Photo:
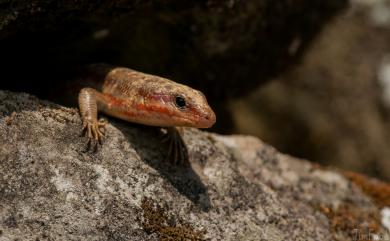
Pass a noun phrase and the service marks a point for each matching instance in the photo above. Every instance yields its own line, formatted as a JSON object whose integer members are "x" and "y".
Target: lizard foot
{"x": 177, "y": 152}
{"x": 94, "y": 130}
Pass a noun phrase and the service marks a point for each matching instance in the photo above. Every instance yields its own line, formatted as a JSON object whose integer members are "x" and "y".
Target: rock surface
{"x": 235, "y": 188}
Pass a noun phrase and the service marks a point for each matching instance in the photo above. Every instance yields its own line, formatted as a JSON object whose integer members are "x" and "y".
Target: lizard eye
{"x": 180, "y": 102}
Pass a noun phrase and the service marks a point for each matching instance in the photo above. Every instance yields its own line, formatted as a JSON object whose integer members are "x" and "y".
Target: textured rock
{"x": 235, "y": 188}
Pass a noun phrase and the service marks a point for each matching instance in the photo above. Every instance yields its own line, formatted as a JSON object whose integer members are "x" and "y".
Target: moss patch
{"x": 168, "y": 228}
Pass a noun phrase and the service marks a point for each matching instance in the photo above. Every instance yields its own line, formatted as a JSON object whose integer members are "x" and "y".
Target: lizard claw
{"x": 94, "y": 130}
{"x": 177, "y": 152}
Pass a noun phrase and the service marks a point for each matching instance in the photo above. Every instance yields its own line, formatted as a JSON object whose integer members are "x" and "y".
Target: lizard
{"x": 142, "y": 98}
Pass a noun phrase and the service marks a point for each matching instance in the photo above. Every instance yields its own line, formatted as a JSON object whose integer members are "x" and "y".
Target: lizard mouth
{"x": 206, "y": 120}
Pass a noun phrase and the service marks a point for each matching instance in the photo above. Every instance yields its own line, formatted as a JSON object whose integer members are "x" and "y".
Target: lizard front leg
{"x": 88, "y": 103}
{"x": 177, "y": 152}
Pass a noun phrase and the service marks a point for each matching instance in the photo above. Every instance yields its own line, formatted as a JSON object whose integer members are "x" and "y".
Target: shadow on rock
{"x": 182, "y": 177}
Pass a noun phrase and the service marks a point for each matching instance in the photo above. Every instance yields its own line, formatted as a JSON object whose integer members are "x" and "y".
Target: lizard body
{"x": 142, "y": 98}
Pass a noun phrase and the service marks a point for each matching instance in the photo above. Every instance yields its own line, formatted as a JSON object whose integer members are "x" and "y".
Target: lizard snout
{"x": 208, "y": 119}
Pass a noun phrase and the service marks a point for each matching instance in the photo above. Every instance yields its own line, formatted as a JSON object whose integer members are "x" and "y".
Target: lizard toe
{"x": 94, "y": 130}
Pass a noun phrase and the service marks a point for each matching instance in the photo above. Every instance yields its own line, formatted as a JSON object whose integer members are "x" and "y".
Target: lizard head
{"x": 183, "y": 106}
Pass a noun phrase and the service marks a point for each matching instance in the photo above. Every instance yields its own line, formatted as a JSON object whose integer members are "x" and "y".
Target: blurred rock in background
{"x": 334, "y": 107}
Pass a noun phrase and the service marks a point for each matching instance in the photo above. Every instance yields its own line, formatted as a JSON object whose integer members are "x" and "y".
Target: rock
{"x": 236, "y": 187}
{"x": 224, "y": 48}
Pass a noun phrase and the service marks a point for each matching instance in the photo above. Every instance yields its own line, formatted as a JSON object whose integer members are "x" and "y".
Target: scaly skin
{"x": 145, "y": 99}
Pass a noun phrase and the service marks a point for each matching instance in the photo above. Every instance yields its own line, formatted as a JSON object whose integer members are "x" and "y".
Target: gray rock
{"x": 236, "y": 187}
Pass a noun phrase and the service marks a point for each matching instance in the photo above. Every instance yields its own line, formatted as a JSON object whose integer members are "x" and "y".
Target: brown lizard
{"x": 145, "y": 99}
